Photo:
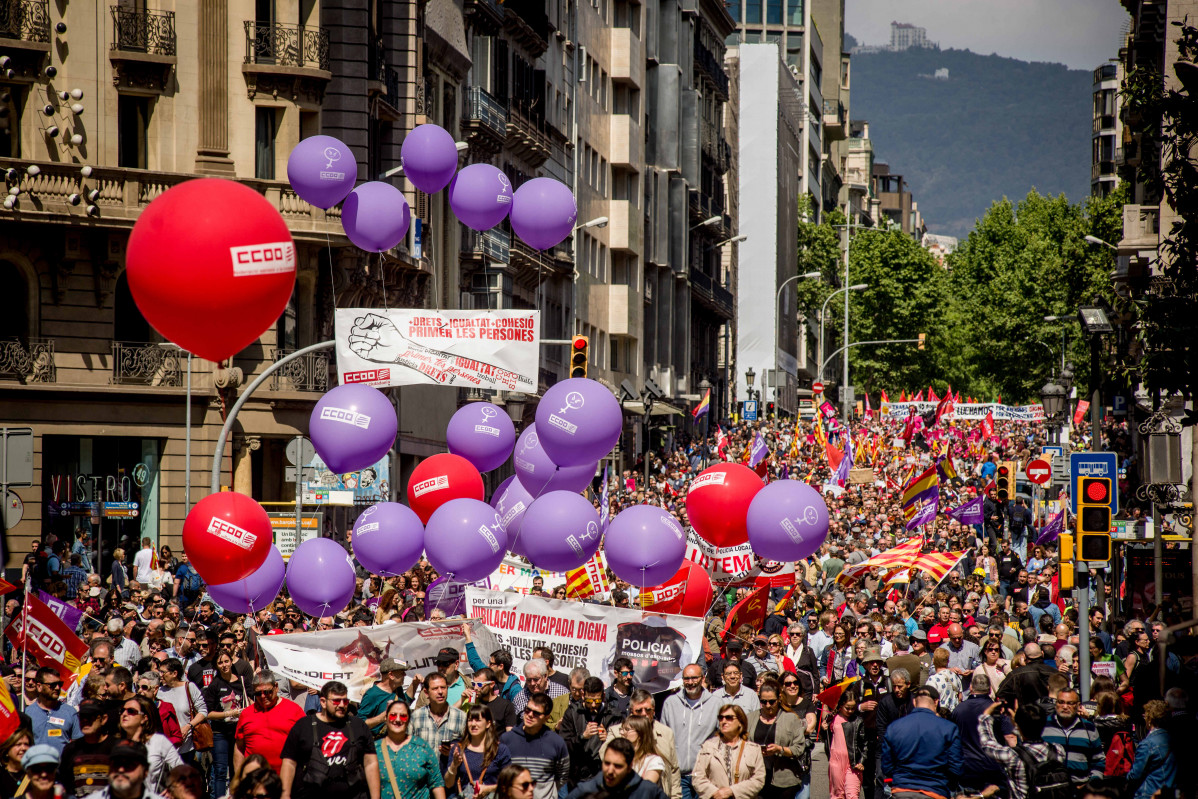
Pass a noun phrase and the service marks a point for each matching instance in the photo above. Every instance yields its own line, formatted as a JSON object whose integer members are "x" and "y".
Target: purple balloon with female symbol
{"x": 480, "y": 196}
{"x": 320, "y": 577}
{"x": 465, "y": 540}
{"x": 481, "y": 433}
{"x": 388, "y": 539}
{"x": 255, "y": 592}
{"x": 539, "y": 474}
{"x": 578, "y": 422}
{"x": 787, "y": 521}
{"x": 644, "y": 545}
{"x": 376, "y": 216}
{"x": 510, "y": 501}
{"x": 543, "y": 212}
{"x": 352, "y": 426}
{"x": 429, "y": 157}
{"x": 322, "y": 170}
{"x": 560, "y": 531}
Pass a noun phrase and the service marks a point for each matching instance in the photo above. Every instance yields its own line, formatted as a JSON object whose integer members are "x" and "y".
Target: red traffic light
{"x": 1096, "y": 489}
{"x": 580, "y": 343}
{"x": 1003, "y": 471}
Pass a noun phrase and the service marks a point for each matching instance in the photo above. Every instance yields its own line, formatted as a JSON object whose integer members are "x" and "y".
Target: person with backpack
{"x": 1079, "y": 737}
{"x": 188, "y": 583}
{"x": 1035, "y": 769}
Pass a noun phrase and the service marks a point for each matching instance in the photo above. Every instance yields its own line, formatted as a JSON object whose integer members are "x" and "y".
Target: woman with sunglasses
{"x": 783, "y": 741}
{"x": 225, "y": 697}
{"x": 729, "y": 765}
{"x": 408, "y": 766}
{"x": 139, "y": 722}
{"x": 477, "y": 759}
{"x": 835, "y": 658}
{"x": 994, "y": 665}
{"x": 515, "y": 782}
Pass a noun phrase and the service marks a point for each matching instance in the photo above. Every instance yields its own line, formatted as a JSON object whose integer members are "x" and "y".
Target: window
{"x": 127, "y": 322}
{"x": 753, "y": 12}
{"x": 10, "y": 122}
{"x": 773, "y": 12}
{"x": 796, "y": 11}
{"x": 265, "y": 127}
{"x": 603, "y": 176}
{"x": 286, "y": 337}
{"x": 133, "y": 124}
{"x": 14, "y": 304}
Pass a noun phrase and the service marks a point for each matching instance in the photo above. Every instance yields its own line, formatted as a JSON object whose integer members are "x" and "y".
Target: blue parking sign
{"x": 1093, "y": 464}
{"x": 750, "y": 410}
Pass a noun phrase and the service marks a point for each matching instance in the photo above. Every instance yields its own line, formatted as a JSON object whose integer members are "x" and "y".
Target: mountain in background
{"x": 992, "y": 127}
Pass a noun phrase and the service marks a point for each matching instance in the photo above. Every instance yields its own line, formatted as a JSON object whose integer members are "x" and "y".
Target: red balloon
{"x": 438, "y": 479}
{"x": 717, "y": 502}
{"x": 227, "y": 536}
{"x": 689, "y": 592}
{"x": 211, "y": 265}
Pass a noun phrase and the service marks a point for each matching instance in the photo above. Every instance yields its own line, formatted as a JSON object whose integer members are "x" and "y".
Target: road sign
{"x": 14, "y": 509}
{"x": 1093, "y": 464}
{"x": 1039, "y": 471}
{"x": 1057, "y": 450}
{"x": 299, "y": 450}
{"x": 817, "y": 387}
{"x": 306, "y": 473}
{"x": 16, "y": 463}
{"x": 750, "y": 410}
{"x": 1119, "y": 405}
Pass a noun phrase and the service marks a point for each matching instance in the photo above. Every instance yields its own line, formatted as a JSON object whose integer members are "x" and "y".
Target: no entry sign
{"x": 1039, "y": 471}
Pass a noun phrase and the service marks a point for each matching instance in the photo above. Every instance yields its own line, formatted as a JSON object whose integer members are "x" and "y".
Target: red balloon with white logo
{"x": 227, "y": 536}
{"x": 689, "y": 592}
{"x": 211, "y": 265}
{"x": 438, "y": 479}
{"x": 717, "y": 503}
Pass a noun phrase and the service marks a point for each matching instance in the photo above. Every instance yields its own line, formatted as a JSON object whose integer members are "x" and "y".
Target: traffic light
{"x": 1066, "y": 566}
{"x": 1094, "y": 519}
{"x": 769, "y": 410}
{"x": 922, "y": 340}
{"x": 580, "y": 355}
{"x": 1004, "y": 481}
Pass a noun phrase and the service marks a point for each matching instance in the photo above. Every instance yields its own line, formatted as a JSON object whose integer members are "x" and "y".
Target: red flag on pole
{"x": 988, "y": 426}
{"x": 50, "y": 641}
{"x": 751, "y": 610}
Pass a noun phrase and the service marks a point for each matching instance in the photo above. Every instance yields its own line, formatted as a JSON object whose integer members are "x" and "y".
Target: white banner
{"x": 738, "y": 564}
{"x": 968, "y": 410}
{"x": 592, "y": 636}
{"x": 470, "y": 349}
{"x": 352, "y": 655}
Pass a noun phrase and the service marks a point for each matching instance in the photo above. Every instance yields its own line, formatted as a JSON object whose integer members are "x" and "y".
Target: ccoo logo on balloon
{"x": 345, "y": 416}
{"x": 263, "y": 259}
{"x": 231, "y": 533}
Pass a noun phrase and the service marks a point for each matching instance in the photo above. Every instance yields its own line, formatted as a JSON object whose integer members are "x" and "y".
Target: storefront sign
{"x": 286, "y": 539}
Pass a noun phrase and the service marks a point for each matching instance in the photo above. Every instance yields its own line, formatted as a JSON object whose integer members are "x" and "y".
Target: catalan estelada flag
{"x": 703, "y": 407}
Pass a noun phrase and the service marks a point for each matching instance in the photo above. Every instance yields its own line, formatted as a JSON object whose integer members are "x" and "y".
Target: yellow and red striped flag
{"x": 589, "y": 579}
{"x": 937, "y": 565}
{"x": 901, "y": 557}
{"x": 830, "y": 696}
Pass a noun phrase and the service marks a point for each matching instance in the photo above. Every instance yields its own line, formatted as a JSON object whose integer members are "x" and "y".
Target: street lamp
{"x": 1053, "y": 398}
{"x": 599, "y": 221}
{"x": 1063, "y": 343}
{"x": 734, "y": 240}
{"x": 750, "y": 375}
{"x": 1101, "y": 243}
{"x": 823, "y": 310}
{"x": 778, "y": 320}
{"x": 170, "y": 345}
{"x": 713, "y": 220}
{"x": 514, "y": 405}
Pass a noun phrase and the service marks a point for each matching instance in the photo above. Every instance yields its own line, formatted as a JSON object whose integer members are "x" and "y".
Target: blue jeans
{"x": 222, "y": 762}
{"x": 805, "y": 788}
{"x": 688, "y": 790}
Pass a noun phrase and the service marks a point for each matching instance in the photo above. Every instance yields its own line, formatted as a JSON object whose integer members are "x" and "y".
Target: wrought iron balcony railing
{"x": 28, "y": 362}
{"x": 486, "y": 110}
{"x": 142, "y": 31}
{"x": 140, "y": 363}
{"x": 306, "y": 373}
{"x": 28, "y": 20}
{"x": 283, "y": 45}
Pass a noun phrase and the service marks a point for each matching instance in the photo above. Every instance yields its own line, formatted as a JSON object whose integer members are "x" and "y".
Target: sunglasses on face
{"x": 625, "y": 673}
{"x": 397, "y": 717}
{"x": 727, "y": 718}
{"x": 341, "y": 700}
{"x": 55, "y": 685}
{"x": 525, "y": 785}
{"x": 768, "y": 702}
{"x": 790, "y": 683}
{"x": 536, "y": 714}
{"x": 121, "y": 764}
{"x": 265, "y": 692}
{"x": 130, "y": 711}
{"x": 478, "y": 686}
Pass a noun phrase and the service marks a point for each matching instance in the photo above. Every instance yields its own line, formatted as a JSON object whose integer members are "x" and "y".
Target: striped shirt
{"x": 544, "y": 755}
{"x": 554, "y": 690}
{"x": 1086, "y": 757}
{"x": 1008, "y": 758}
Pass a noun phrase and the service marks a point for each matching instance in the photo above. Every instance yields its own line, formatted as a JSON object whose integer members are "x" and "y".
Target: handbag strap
{"x": 736, "y": 769}
{"x": 390, "y": 770}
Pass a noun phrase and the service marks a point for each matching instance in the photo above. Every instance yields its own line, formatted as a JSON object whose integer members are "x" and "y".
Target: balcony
{"x": 627, "y": 142}
{"x": 291, "y": 60}
{"x": 1102, "y": 169}
{"x": 382, "y": 80}
{"x": 485, "y": 16}
{"x": 627, "y": 57}
{"x": 530, "y": 266}
{"x": 615, "y": 308}
{"x": 527, "y": 134}
{"x": 306, "y": 373}
{"x": 710, "y": 293}
{"x": 1141, "y": 228}
{"x": 143, "y": 49}
{"x": 706, "y": 63}
{"x": 28, "y": 362}
{"x": 528, "y": 24}
{"x": 140, "y": 363}
{"x": 484, "y": 121}
{"x": 624, "y": 231}
{"x": 25, "y": 36}
{"x": 715, "y": 147}
{"x": 491, "y": 245}
{"x": 836, "y": 123}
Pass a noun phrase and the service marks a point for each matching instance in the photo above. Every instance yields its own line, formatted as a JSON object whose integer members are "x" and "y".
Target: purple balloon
{"x": 480, "y": 196}
{"x": 539, "y": 474}
{"x": 510, "y": 501}
{"x": 579, "y": 421}
{"x": 352, "y": 426}
{"x": 481, "y": 433}
{"x": 465, "y": 540}
{"x": 543, "y": 213}
{"x": 375, "y": 216}
{"x": 322, "y": 170}
{"x": 560, "y": 531}
{"x": 254, "y": 592}
{"x": 429, "y": 157}
{"x": 644, "y": 545}
{"x": 388, "y": 539}
{"x": 320, "y": 577}
{"x": 787, "y": 520}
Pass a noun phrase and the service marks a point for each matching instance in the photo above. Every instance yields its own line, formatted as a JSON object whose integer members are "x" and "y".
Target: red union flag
{"x": 49, "y": 640}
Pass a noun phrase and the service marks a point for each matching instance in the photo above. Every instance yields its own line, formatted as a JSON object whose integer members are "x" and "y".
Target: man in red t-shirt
{"x": 262, "y": 728}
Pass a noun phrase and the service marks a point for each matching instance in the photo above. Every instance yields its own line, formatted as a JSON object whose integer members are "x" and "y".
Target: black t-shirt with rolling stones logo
{"x": 329, "y": 758}
{"x": 657, "y": 652}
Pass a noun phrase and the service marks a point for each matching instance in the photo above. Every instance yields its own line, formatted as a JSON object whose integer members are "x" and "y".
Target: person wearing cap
{"x": 447, "y": 666}
{"x": 389, "y": 688}
{"x": 54, "y": 722}
{"x": 128, "y": 770}
{"x": 40, "y": 764}
{"x": 921, "y": 752}
{"x": 84, "y": 767}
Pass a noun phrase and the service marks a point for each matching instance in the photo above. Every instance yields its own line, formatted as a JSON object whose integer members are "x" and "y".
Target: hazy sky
{"x": 1079, "y": 33}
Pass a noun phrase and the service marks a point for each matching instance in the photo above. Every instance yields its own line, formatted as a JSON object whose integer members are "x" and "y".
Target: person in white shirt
{"x": 821, "y": 639}
{"x": 142, "y": 561}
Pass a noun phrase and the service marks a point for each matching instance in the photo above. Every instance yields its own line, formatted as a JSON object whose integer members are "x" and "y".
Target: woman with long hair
{"x": 225, "y": 697}
{"x": 251, "y": 764}
{"x": 1037, "y": 561}
{"x": 514, "y": 782}
{"x": 646, "y": 762}
{"x": 408, "y": 766}
{"x": 260, "y": 783}
{"x": 11, "y": 753}
{"x": 388, "y": 604}
{"x": 476, "y": 759}
{"x": 120, "y": 575}
{"x": 729, "y": 759}
{"x": 139, "y": 723}
{"x": 848, "y": 749}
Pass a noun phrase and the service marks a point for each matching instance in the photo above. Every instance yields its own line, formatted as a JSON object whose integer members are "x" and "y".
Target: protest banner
{"x": 591, "y": 636}
{"x": 470, "y": 349}
{"x": 70, "y": 616}
{"x": 737, "y": 565}
{"x": 967, "y": 410}
{"x": 352, "y": 655}
{"x": 516, "y": 574}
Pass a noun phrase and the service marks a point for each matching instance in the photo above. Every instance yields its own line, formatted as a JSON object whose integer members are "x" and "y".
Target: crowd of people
{"x": 965, "y": 686}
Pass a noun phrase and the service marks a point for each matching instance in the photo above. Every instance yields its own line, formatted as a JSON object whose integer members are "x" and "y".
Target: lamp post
{"x": 514, "y": 404}
{"x": 1100, "y": 243}
{"x": 1063, "y": 345}
{"x": 170, "y": 345}
{"x": 823, "y": 311}
{"x": 1052, "y": 396}
{"x": 750, "y": 375}
{"x": 778, "y": 325}
{"x": 1094, "y": 323}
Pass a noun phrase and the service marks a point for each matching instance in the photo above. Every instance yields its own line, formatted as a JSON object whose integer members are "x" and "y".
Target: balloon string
{"x": 383, "y": 273}
{"x": 332, "y": 280}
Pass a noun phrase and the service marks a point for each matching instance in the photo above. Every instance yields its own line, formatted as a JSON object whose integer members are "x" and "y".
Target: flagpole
{"x": 24, "y": 643}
